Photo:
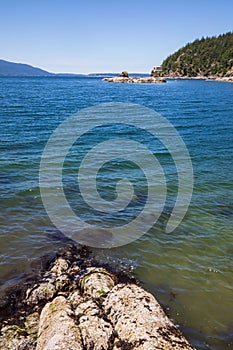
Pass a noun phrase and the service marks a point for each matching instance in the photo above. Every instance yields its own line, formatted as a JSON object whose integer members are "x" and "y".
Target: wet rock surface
{"x": 77, "y": 304}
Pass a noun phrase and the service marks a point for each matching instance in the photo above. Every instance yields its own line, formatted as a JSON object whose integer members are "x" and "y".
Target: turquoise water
{"x": 189, "y": 270}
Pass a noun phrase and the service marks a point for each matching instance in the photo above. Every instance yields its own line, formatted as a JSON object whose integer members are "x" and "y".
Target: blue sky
{"x": 84, "y": 36}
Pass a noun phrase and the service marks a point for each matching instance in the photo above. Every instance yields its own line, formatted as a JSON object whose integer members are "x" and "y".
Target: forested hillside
{"x": 205, "y": 57}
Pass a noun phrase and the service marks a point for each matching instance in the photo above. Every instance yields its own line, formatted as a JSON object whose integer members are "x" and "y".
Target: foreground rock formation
{"x": 135, "y": 80}
{"x": 77, "y": 304}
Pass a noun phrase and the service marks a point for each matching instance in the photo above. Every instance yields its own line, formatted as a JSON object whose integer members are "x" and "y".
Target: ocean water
{"x": 189, "y": 270}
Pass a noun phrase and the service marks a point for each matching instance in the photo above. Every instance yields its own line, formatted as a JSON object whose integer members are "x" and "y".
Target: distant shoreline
{"x": 102, "y": 75}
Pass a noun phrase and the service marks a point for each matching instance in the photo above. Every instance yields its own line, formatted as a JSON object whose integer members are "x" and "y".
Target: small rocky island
{"x": 78, "y": 304}
{"x": 125, "y": 78}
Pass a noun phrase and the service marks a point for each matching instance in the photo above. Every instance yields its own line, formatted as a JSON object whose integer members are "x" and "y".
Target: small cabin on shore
{"x": 156, "y": 71}
{"x": 157, "y": 68}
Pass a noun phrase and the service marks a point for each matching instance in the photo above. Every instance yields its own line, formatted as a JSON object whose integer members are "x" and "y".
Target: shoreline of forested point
{"x": 205, "y": 58}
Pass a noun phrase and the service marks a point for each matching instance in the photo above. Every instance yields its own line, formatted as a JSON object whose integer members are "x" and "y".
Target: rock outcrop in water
{"x": 124, "y": 74}
{"x": 136, "y": 80}
{"x": 77, "y": 304}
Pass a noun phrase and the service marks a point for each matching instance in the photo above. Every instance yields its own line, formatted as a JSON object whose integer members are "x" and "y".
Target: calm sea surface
{"x": 190, "y": 271}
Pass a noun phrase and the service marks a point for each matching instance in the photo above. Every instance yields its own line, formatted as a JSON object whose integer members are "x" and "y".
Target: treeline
{"x": 205, "y": 57}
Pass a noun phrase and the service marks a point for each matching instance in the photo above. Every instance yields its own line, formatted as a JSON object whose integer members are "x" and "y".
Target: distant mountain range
{"x": 19, "y": 69}
{"x": 12, "y": 69}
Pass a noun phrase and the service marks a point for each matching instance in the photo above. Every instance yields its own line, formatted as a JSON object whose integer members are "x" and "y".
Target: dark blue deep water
{"x": 189, "y": 270}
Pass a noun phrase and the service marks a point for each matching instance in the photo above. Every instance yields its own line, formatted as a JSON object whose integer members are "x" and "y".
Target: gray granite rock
{"x": 97, "y": 282}
{"x": 139, "y": 320}
{"x": 57, "y": 329}
{"x": 96, "y": 330}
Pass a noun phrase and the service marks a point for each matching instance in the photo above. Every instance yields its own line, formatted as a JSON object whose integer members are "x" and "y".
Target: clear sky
{"x": 84, "y": 36}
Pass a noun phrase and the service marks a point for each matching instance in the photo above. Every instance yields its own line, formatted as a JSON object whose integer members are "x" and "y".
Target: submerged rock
{"x": 77, "y": 304}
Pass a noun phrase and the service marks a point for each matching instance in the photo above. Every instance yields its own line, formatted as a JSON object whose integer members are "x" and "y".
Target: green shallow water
{"x": 189, "y": 270}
